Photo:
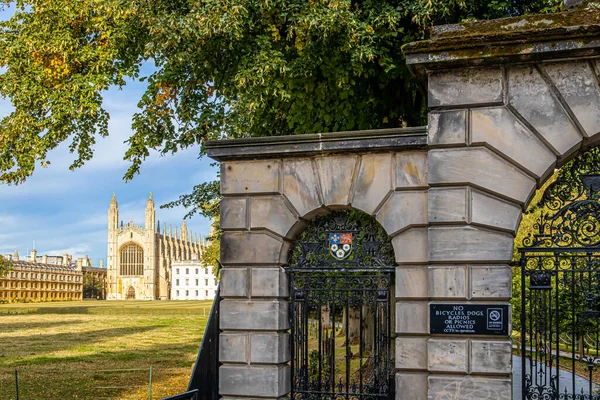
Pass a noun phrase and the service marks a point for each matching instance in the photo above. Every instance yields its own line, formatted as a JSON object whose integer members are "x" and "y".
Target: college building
{"x": 45, "y": 278}
{"x": 192, "y": 281}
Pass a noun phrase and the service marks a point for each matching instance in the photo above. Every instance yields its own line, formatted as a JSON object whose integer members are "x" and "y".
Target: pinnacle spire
{"x": 113, "y": 201}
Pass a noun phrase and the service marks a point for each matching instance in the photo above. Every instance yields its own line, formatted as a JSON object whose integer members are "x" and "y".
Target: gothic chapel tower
{"x": 140, "y": 256}
{"x": 150, "y": 249}
{"x": 112, "y": 259}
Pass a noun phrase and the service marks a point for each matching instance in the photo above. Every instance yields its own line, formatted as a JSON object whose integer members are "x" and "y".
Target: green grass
{"x": 99, "y": 349}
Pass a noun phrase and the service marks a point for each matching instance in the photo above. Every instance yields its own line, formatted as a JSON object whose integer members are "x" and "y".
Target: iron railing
{"x": 204, "y": 382}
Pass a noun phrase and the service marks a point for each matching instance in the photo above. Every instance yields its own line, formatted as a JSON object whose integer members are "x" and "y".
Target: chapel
{"x": 140, "y": 256}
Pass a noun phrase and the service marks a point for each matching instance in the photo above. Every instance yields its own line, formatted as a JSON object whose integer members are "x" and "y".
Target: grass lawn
{"x": 99, "y": 349}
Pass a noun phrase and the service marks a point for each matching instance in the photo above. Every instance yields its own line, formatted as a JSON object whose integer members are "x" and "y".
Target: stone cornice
{"x": 537, "y": 37}
{"x": 315, "y": 144}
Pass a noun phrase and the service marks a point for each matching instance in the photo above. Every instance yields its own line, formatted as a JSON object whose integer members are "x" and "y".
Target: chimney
{"x": 33, "y": 255}
{"x": 79, "y": 264}
{"x": 101, "y": 265}
{"x": 66, "y": 260}
{"x": 45, "y": 259}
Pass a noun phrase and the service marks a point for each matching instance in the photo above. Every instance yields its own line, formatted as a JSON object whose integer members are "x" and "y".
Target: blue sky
{"x": 67, "y": 211}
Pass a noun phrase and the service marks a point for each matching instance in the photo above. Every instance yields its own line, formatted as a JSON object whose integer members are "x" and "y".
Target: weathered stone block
{"x": 494, "y": 357}
{"x": 373, "y": 182}
{"x": 465, "y": 387}
{"x": 448, "y": 205}
{"x": 249, "y": 248}
{"x": 233, "y": 213}
{"x": 448, "y": 281}
{"x": 446, "y": 355}
{"x": 500, "y": 129}
{"x": 468, "y": 243}
{"x": 273, "y": 214}
{"x": 411, "y": 282}
{"x": 411, "y": 246}
{"x": 493, "y": 212}
{"x": 269, "y": 348}
{"x": 465, "y": 86}
{"x": 269, "y": 282}
{"x": 493, "y": 281}
{"x": 411, "y": 169}
{"x": 259, "y": 380}
{"x": 234, "y": 282}
{"x": 336, "y": 174}
{"x": 233, "y": 347}
{"x": 411, "y": 353}
{"x": 411, "y": 386}
{"x": 447, "y": 127}
{"x": 241, "y": 177}
{"x": 479, "y": 166}
{"x": 577, "y": 84}
{"x": 411, "y": 317}
{"x": 300, "y": 185}
{"x": 403, "y": 210}
{"x": 531, "y": 96}
{"x": 254, "y": 315}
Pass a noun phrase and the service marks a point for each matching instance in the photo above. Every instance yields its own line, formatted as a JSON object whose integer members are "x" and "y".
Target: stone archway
{"x": 267, "y": 203}
{"x": 506, "y": 109}
{"x": 130, "y": 293}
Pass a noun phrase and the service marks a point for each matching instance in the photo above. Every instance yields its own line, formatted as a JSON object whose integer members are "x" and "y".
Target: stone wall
{"x": 451, "y": 199}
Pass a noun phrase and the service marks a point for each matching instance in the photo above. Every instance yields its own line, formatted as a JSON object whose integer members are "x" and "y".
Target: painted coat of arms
{"x": 340, "y": 245}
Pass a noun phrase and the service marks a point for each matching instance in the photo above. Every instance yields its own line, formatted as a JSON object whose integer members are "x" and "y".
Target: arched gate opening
{"x": 341, "y": 278}
{"x": 557, "y": 310}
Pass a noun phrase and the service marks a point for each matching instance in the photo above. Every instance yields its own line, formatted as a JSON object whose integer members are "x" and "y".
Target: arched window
{"x": 131, "y": 260}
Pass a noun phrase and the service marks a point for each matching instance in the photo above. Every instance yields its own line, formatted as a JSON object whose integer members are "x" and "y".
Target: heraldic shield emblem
{"x": 340, "y": 245}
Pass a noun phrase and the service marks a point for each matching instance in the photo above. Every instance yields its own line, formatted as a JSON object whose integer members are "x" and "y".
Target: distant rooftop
{"x": 29, "y": 264}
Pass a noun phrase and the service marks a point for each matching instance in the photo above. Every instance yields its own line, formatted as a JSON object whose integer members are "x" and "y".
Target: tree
{"x": 223, "y": 69}
{"x": 93, "y": 287}
{"x": 5, "y": 266}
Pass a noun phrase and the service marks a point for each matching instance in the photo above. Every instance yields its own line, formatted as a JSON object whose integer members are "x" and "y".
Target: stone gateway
{"x": 510, "y": 101}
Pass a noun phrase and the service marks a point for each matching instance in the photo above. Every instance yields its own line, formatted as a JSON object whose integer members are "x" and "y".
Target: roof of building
{"x": 95, "y": 269}
{"x": 29, "y": 264}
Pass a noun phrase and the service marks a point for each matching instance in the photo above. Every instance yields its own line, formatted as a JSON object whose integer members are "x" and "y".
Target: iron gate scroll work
{"x": 560, "y": 294}
{"x": 341, "y": 275}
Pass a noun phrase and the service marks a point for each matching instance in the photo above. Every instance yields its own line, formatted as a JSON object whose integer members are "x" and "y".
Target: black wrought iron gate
{"x": 559, "y": 312}
{"x": 341, "y": 271}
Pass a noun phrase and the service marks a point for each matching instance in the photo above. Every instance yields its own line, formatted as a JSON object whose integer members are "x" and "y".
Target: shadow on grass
{"x": 98, "y": 376}
{"x": 35, "y": 345}
{"x": 35, "y": 325}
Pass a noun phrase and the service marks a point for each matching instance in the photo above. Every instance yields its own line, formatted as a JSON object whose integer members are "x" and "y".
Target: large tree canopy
{"x": 224, "y": 68}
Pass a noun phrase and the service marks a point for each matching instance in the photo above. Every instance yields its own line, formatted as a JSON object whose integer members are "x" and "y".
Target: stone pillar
{"x": 254, "y": 343}
{"x": 500, "y": 122}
